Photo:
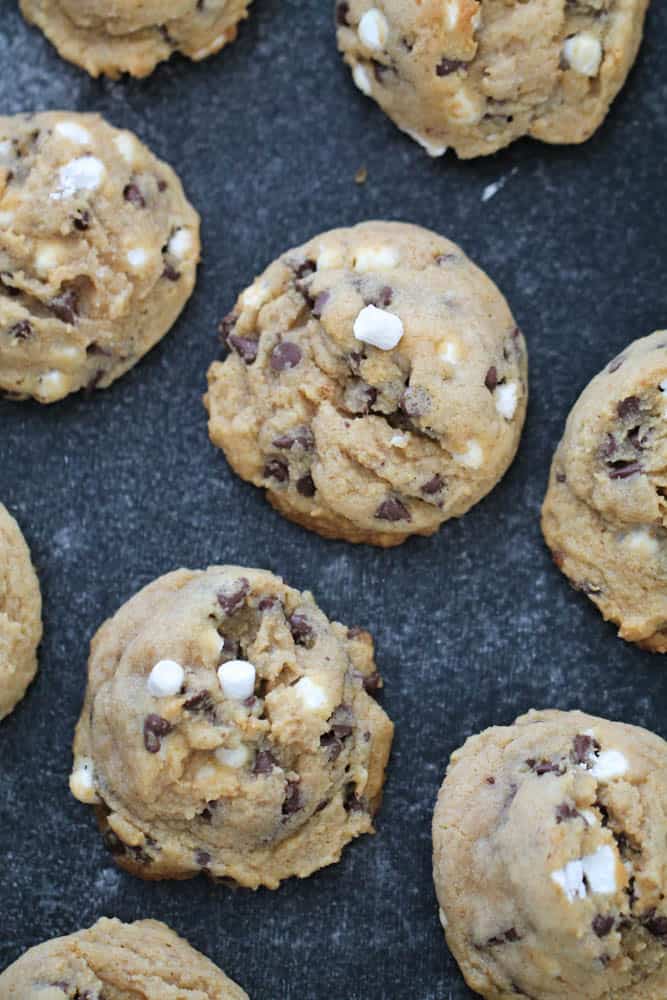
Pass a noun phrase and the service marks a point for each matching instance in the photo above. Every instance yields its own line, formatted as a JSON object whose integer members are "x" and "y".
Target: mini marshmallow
{"x": 232, "y": 757}
{"x": 84, "y": 174}
{"x": 311, "y": 694}
{"x": 180, "y": 243}
{"x": 600, "y": 870}
{"x": 373, "y": 30}
{"x": 82, "y": 781}
{"x": 137, "y": 258}
{"x": 48, "y": 256}
{"x": 571, "y": 880}
{"x": 329, "y": 257}
{"x": 362, "y": 79}
{"x": 126, "y": 146}
{"x": 165, "y": 679}
{"x": 432, "y": 148}
{"x": 398, "y": 441}
{"x": 255, "y": 296}
{"x": 449, "y": 352}
{"x": 609, "y": 764}
{"x": 507, "y": 399}
{"x": 378, "y": 327}
{"x": 376, "y": 259}
{"x": 237, "y": 679}
{"x": 73, "y": 132}
{"x": 641, "y": 541}
{"x": 583, "y": 53}
{"x": 472, "y": 457}
{"x": 52, "y": 385}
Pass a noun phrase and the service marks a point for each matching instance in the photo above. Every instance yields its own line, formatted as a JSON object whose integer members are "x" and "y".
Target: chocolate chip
{"x": 132, "y": 194}
{"x": 162, "y": 186}
{"x": 584, "y": 745}
{"x": 372, "y": 682}
{"x": 434, "y": 485}
{"x": 445, "y": 258}
{"x": 245, "y": 347}
{"x": 113, "y": 843}
{"x": 490, "y": 780}
{"x": 301, "y": 436}
{"x": 232, "y": 596}
{"x": 447, "y": 66}
{"x": 305, "y": 486}
{"x": 301, "y": 629}
{"x": 541, "y": 767}
{"x": 565, "y": 811}
{"x": 285, "y": 355}
{"x": 634, "y": 437}
{"x": 292, "y": 801}
{"x": 354, "y": 360}
{"x": 320, "y": 303}
{"x": 628, "y": 407}
{"x": 342, "y": 12}
{"x": 275, "y": 468}
{"x": 624, "y": 470}
{"x": 227, "y": 325}
{"x": 508, "y": 936}
{"x": 351, "y": 801}
{"x": 21, "y": 330}
{"x": 81, "y": 220}
{"x": 561, "y": 477}
{"x": 602, "y": 925}
{"x": 392, "y": 509}
{"x": 155, "y": 727}
{"x": 267, "y": 603}
{"x": 200, "y": 702}
{"x": 170, "y": 273}
{"x": 614, "y": 365}
{"x": 264, "y": 762}
{"x": 202, "y": 858}
{"x": 331, "y": 743}
{"x": 342, "y": 722}
{"x": 609, "y": 446}
{"x": 384, "y": 298}
{"x": 655, "y": 925}
{"x": 306, "y": 268}
{"x": 66, "y": 306}
{"x": 415, "y": 401}
{"x": 491, "y": 380}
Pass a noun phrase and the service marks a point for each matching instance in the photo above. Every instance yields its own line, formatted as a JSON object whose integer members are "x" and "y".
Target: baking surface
{"x": 473, "y": 626}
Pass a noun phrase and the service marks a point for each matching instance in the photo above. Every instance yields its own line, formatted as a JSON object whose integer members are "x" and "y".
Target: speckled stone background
{"x": 473, "y": 626}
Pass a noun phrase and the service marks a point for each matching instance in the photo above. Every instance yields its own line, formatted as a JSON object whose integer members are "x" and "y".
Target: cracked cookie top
{"x": 605, "y": 512}
{"x": 229, "y": 728}
{"x": 140, "y": 961}
{"x": 98, "y": 253}
{"x": 477, "y": 74}
{"x": 376, "y": 383}
{"x": 20, "y": 614}
{"x": 550, "y": 860}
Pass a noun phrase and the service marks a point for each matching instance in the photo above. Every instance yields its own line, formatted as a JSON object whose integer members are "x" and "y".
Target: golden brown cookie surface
{"x": 20, "y": 614}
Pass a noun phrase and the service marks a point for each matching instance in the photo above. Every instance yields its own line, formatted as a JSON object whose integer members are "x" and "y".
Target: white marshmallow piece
{"x": 600, "y": 870}
{"x": 82, "y": 781}
{"x": 126, "y": 146}
{"x": 311, "y": 694}
{"x": 330, "y": 257}
{"x": 237, "y": 679}
{"x": 378, "y": 327}
{"x": 52, "y": 385}
{"x": 398, "y": 441}
{"x": 583, "y": 53}
{"x": 376, "y": 259}
{"x": 83, "y": 174}
{"x": 137, "y": 258}
{"x": 610, "y": 764}
{"x": 165, "y": 679}
{"x": 73, "y": 132}
{"x": 642, "y": 542}
{"x": 449, "y": 352}
{"x": 232, "y": 757}
{"x": 432, "y": 148}
{"x": 571, "y": 880}
{"x": 507, "y": 399}
{"x": 362, "y": 79}
{"x": 472, "y": 457}
{"x": 180, "y": 243}
{"x": 373, "y": 30}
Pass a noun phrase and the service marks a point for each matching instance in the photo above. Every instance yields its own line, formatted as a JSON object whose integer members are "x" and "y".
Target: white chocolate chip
{"x": 329, "y": 257}
{"x": 362, "y": 79}
{"x": 600, "y": 870}
{"x": 126, "y": 145}
{"x": 48, "y": 256}
{"x": 165, "y": 679}
{"x": 472, "y": 457}
{"x": 84, "y": 174}
{"x": 583, "y": 52}
{"x": 609, "y": 764}
{"x": 432, "y": 148}
{"x": 571, "y": 880}
{"x": 180, "y": 243}
{"x": 398, "y": 441}
{"x": 237, "y": 679}
{"x": 452, "y": 13}
{"x": 137, "y": 258}
{"x": 82, "y": 781}
{"x": 642, "y": 542}
{"x": 234, "y": 757}
{"x": 376, "y": 259}
{"x": 449, "y": 352}
{"x": 73, "y": 132}
{"x": 378, "y": 327}
{"x": 507, "y": 399}
{"x": 311, "y": 694}
{"x": 373, "y": 30}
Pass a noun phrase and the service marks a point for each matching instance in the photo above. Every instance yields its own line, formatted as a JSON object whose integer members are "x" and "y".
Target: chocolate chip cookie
{"x": 20, "y": 614}
{"x": 230, "y": 728}
{"x": 605, "y": 514}
{"x": 478, "y": 74}
{"x": 132, "y": 37}
{"x": 550, "y": 859}
{"x": 98, "y": 253}
{"x": 140, "y": 961}
{"x": 376, "y": 384}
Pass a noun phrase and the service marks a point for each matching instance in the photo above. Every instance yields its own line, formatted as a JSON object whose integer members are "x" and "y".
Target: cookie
{"x": 140, "y": 961}
{"x": 228, "y": 728}
{"x": 20, "y": 614}
{"x": 550, "y": 859}
{"x": 605, "y": 514}
{"x": 98, "y": 253}
{"x": 375, "y": 386}
{"x": 478, "y": 74}
{"x": 134, "y": 37}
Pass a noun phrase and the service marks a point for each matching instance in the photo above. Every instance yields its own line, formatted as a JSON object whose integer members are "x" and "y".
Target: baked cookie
{"x": 376, "y": 384}
{"x": 140, "y": 961}
{"x": 605, "y": 513}
{"x": 550, "y": 860}
{"x": 98, "y": 253}
{"x": 20, "y": 614}
{"x": 133, "y": 37}
{"x": 478, "y": 74}
{"x": 228, "y": 729}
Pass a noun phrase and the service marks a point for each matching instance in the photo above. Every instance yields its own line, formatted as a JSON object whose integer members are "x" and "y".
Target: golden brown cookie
{"x": 228, "y": 729}
{"x": 376, "y": 384}
{"x": 20, "y": 614}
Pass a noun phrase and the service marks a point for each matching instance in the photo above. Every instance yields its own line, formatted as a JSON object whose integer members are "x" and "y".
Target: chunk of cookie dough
{"x": 98, "y": 253}
{"x": 478, "y": 74}
{"x": 376, "y": 384}
{"x": 605, "y": 512}
{"x": 20, "y": 614}
{"x": 550, "y": 859}
{"x": 229, "y": 728}
{"x": 132, "y": 37}
{"x": 140, "y": 961}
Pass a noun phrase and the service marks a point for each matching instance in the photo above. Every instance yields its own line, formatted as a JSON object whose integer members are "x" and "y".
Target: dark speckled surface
{"x": 473, "y": 626}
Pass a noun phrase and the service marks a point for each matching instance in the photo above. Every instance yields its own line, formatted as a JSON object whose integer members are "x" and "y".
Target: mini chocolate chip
{"x": 81, "y": 220}
{"x": 541, "y": 767}
{"x": 305, "y": 486}
{"x": 275, "y": 468}
{"x": 232, "y": 596}
{"x": 285, "y": 355}
{"x": 628, "y": 407}
{"x": 113, "y": 843}
{"x": 655, "y": 925}
{"x": 245, "y": 347}
{"x": 206, "y": 815}
{"x": 132, "y": 194}
{"x": 384, "y": 297}
{"x": 330, "y": 742}
{"x": 447, "y": 66}
{"x": 226, "y": 325}
{"x": 372, "y": 682}
{"x": 392, "y": 509}
{"x": 634, "y": 437}
{"x": 490, "y": 780}
{"x": 306, "y": 268}
{"x": 434, "y": 485}
{"x": 200, "y": 702}
{"x": 170, "y": 273}
{"x": 21, "y": 330}
{"x": 202, "y": 858}
{"x": 292, "y": 802}
{"x": 583, "y": 746}
{"x": 614, "y": 365}
{"x": 415, "y": 401}
{"x": 351, "y": 801}
{"x": 561, "y": 477}
{"x": 602, "y": 925}
{"x": 301, "y": 436}
{"x": 155, "y": 727}
{"x": 162, "y": 186}
{"x": 301, "y": 629}
{"x": 267, "y": 603}
{"x": 264, "y": 762}
{"x": 354, "y": 360}
{"x": 624, "y": 470}
{"x": 342, "y": 12}
{"x": 491, "y": 380}
{"x": 609, "y": 446}
{"x": 342, "y": 722}
{"x": 320, "y": 303}
{"x": 66, "y": 306}
{"x": 565, "y": 811}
